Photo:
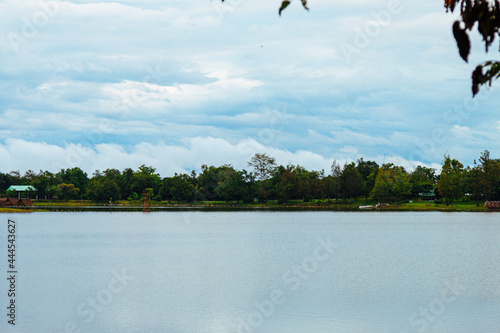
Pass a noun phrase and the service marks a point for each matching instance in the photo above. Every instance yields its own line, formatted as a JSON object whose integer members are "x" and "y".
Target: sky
{"x": 177, "y": 84}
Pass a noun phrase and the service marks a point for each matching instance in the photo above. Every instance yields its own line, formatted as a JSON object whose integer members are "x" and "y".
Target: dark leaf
{"x": 304, "y": 3}
{"x": 450, "y": 4}
{"x": 462, "y": 39}
{"x": 284, "y": 4}
{"x": 477, "y": 79}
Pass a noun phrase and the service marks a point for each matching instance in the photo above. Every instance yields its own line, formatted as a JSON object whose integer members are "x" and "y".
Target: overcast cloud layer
{"x": 177, "y": 84}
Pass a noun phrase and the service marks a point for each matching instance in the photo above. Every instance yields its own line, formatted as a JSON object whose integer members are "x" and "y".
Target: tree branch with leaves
{"x": 486, "y": 16}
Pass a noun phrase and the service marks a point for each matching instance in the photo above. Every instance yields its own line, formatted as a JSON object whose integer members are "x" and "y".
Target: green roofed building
{"x": 21, "y": 189}
{"x": 428, "y": 195}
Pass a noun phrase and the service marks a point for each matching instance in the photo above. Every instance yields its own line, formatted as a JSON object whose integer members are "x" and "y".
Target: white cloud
{"x": 144, "y": 72}
{"x": 462, "y": 132}
{"x": 22, "y": 155}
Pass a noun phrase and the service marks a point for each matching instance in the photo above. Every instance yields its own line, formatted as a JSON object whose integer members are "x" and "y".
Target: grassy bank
{"x": 14, "y": 210}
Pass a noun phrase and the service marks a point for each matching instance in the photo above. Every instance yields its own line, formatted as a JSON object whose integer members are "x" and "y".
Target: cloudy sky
{"x": 177, "y": 84}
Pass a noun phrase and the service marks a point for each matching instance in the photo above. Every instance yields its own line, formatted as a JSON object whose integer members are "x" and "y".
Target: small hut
{"x": 492, "y": 206}
{"x": 19, "y": 189}
{"x": 13, "y": 202}
{"x": 428, "y": 196}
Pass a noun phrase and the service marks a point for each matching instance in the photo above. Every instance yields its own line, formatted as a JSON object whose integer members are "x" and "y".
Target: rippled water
{"x": 256, "y": 272}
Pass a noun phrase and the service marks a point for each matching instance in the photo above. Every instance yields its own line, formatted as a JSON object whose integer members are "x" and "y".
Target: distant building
{"x": 492, "y": 206}
{"x": 22, "y": 189}
{"x": 428, "y": 196}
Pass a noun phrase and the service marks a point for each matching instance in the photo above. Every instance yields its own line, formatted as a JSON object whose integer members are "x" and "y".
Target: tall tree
{"x": 146, "y": 177}
{"x": 351, "y": 182}
{"x": 392, "y": 182}
{"x": 42, "y": 182}
{"x": 102, "y": 188}
{"x": 75, "y": 176}
{"x": 263, "y": 165}
{"x": 208, "y": 182}
{"x": 236, "y": 185}
{"x": 5, "y": 182}
{"x": 422, "y": 180}
{"x": 178, "y": 188}
{"x": 286, "y": 187}
{"x": 451, "y": 182}
{"x": 491, "y": 176}
{"x": 331, "y": 183}
{"x": 67, "y": 191}
{"x": 474, "y": 182}
{"x": 368, "y": 171}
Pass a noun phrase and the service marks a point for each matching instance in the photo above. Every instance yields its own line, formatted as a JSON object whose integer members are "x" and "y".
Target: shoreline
{"x": 72, "y": 206}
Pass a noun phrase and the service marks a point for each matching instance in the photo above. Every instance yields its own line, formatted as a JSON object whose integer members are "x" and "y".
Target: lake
{"x": 240, "y": 272}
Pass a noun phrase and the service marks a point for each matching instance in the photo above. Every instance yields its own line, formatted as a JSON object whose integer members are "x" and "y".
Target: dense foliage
{"x": 268, "y": 181}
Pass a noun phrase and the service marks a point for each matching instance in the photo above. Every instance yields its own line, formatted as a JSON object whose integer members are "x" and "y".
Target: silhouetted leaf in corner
{"x": 450, "y": 4}
{"x": 304, "y": 3}
{"x": 284, "y": 4}
{"x": 462, "y": 39}
{"x": 477, "y": 79}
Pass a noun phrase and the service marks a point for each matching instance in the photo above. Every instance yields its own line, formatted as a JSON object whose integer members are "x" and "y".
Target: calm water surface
{"x": 289, "y": 272}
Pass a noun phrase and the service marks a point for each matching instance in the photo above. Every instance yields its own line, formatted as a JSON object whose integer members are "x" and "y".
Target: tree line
{"x": 268, "y": 181}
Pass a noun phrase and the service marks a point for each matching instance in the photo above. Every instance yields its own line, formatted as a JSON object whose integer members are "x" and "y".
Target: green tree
{"x": 133, "y": 197}
{"x": 126, "y": 182}
{"x": 178, "y": 188}
{"x": 331, "y": 183}
{"x": 236, "y": 185}
{"x": 266, "y": 189}
{"x": 208, "y": 182}
{"x": 15, "y": 177}
{"x": 28, "y": 177}
{"x": 422, "y": 180}
{"x": 491, "y": 176}
{"x": 368, "y": 171}
{"x": 308, "y": 184}
{"x": 263, "y": 165}
{"x": 75, "y": 176}
{"x": 351, "y": 182}
{"x": 102, "y": 188}
{"x": 286, "y": 183}
{"x": 402, "y": 186}
{"x": 67, "y": 191}
{"x": 146, "y": 177}
{"x": 474, "y": 183}
{"x": 5, "y": 182}
{"x": 451, "y": 182}
{"x": 42, "y": 182}
{"x": 11, "y": 193}
{"x": 383, "y": 187}
{"x": 392, "y": 183}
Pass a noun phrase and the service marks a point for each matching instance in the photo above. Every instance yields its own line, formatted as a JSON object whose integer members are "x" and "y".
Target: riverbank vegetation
{"x": 269, "y": 184}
